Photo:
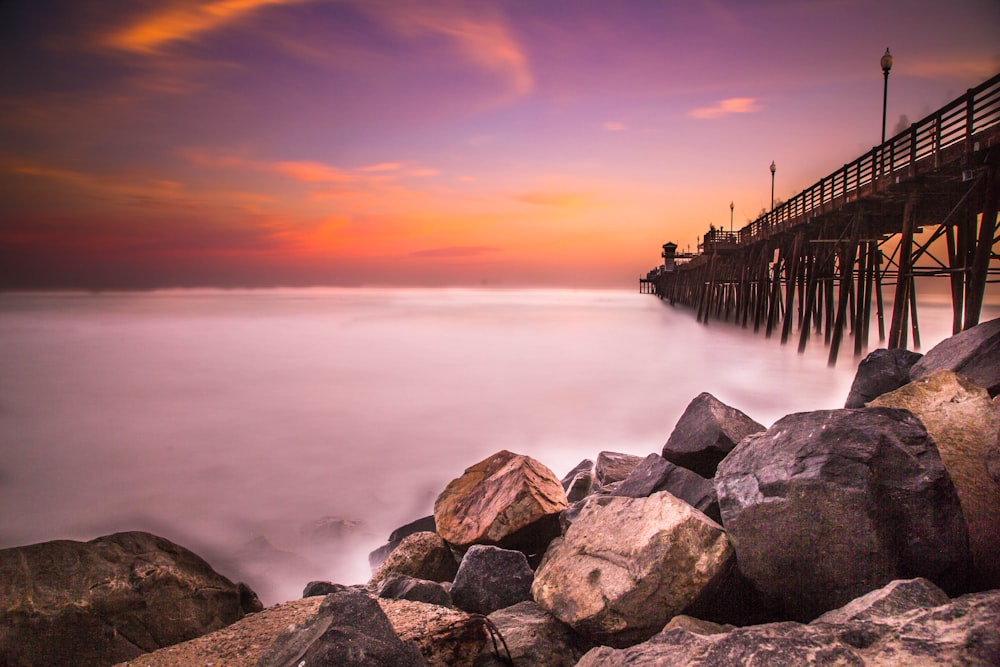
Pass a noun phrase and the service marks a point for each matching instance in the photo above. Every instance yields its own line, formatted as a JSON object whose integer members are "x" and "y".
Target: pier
{"x": 922, "y": 205}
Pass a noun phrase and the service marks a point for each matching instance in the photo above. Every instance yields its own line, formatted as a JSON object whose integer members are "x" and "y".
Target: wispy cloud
{"x": 182, "y": 20}
{"x": 558, "y": 199}
{"x": 726, "y": 107}
{"x": 614, "y": 126}
{"x": 455, "y": 251}
{"x": 382, "y": 166}
{"x": 978, "y": 68}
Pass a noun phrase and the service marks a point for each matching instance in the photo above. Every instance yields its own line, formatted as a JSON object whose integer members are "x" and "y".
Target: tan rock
{"x": 964, "y": 423}
{"x": 445, "y": 637}
{"x": 508, "y": 500}
{"x": 422, "y": 555}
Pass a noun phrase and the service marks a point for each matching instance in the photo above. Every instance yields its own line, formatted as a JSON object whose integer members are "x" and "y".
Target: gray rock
{"x": 321, "y": 588}
{"x": 826, "y": 506}
{"x": 959, "y": 632}
{"x": 613, "y": 467}
{"x": 402, "y": 587}
{"x": 895, "y": 598}
{"x": 421, "y": 555}
{"x": 975, "y": 353}
{"x": 655, "y": 473}
{"x": 107, "y": 600}
{"x": 534, "y": 638}
{"x": 350, "y": 630}
{"x": 705, "y": 433}
{"x": 880, "y": 372}
{"x": 626, "y": 565}
{"x": 963, "y": 422}
{"x": 490, "y": 578}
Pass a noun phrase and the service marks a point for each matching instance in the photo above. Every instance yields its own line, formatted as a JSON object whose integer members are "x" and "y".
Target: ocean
{"x": 282, "y": 434}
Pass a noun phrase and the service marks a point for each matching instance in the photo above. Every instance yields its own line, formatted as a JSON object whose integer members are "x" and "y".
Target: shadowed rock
{"x": 613, "y": 467}
{"x": 534, "y": 637}
{"x": 655, "y": 474}
{"x": 880, "y": 372}
{"x": 975, "y": 353}
{"x": 490, "y": 578}
{"x": 705, "y": 433}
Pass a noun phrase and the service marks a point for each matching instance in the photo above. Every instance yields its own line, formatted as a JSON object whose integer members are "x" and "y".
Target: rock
{"x": 420, "y": 555}
{"x": 445, "y": 637}
{"x": 655, "y": 473}
{"x": 975, "y": 353}
{"x": 507, "y": 500}
{"x": 249, "y": 602}
{"x": 402, "y": 587}
{"x": 696, "y": 626}
{"x": 880, "y": 372}
{"x": 107, "y": 600}
{"x": 964, "y": 424}
{"x": 895, "y": 598}
{"x": 705, "y": 433}
{"x": 378, "y": 556}
{"x": 585, "y": 466}
{"x": 826, "y": 506}
{"x": 533, "y": 637}
{"x": 579, "y": 481}
{"x": 613, "y": 467}
{"x": 490, "y": 578}
{"x": 959, "y": 632}
{"x": 350, "y": 629}
{"x": 626, "y": 565}
{"x": 321, "y": 588}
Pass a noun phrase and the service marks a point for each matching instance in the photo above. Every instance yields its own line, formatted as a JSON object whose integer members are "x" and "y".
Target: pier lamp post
{"x": 773, "y": 169}
{"x": 732, "y": 206}
{"x": 886, "y": 63}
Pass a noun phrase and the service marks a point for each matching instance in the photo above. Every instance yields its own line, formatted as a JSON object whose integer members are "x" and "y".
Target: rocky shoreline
{"x": 862, "y": 536}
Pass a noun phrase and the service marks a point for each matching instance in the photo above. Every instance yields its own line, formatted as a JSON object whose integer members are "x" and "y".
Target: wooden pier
{"x": 922, "y": 205}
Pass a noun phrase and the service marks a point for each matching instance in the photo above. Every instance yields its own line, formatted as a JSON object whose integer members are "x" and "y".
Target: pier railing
{"x": 948, "y": 133}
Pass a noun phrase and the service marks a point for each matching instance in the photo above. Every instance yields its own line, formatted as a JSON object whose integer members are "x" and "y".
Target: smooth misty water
{"x": 243, "y": 424}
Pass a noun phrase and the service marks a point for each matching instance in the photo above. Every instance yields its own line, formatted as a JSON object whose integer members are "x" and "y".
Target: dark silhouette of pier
{"x": 922, "y": 205}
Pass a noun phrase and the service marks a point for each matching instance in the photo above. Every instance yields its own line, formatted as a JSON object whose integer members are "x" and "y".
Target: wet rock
{"x": 107, "y": 600}
{"x": 613, "y": 467}
{"x": 421, "y": 555}
{"x": 351, "y": 630}
{"x": 706, "y": 432}
{"x": 963, "y": 422}
{"x": 534, "y": 637}
{"x": 507, "y": 500}
{"x": 655, "y": 474}
{"x": 490, "y": 578}
{"x": 402, "y": 587}
{"x": 825, "y": 506}
{"x": 880, "y": 372}
{"x": 974, "y": 353}
{"x": 626, "y": 565}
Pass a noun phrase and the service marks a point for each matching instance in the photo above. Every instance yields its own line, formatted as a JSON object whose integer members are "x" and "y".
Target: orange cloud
{"x": 182, "y": 20}
{"x": 556, "y": 199}
{"x": 614, "y": 126}
{"x": 310, "y": 172}
{"x": 726, "y": 107}
{"x": 382, "y": 166}
{"x": 980, "y": 69}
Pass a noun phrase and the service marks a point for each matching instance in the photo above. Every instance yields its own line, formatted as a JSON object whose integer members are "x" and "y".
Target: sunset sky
{"x": 162, "y": 143}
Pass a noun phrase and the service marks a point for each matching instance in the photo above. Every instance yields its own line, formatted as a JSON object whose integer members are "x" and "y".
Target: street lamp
{"x": 731, "y": 207}
{"x": 773, "y": 169}
{"x": 886, "y": 63}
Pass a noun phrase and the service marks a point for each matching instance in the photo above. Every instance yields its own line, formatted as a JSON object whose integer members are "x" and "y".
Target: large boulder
{"x": 957, "y": 632}
{"x": 880, "y": 372}
{"x": 351, "y": 630}
{"x": 705, "y": 433}
{"x": 532, "y": 637}
{"x": 655, "y": 473}
{"x": 445, "y": 637}
{"x": 825, "y": 506}
{"x": 507, "y": 500}
{"x": 963, "y": 422}
{"x": 626, "y": 565}
{"x": 422, "y": 555}
{"x": 975, "y": 353}
{"x": 107, "y": 600}
{"x": 490, "y": 578}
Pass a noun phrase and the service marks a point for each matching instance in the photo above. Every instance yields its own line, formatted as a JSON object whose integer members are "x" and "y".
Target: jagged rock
{"x": 655, "y": 473}
{"x": 626, "y": 565}
{"x": 533, "y": 637}
{"x": 402, "y": 587}
{"x": 490, "y": 578}
{"x": 421, "y": 555}
{"x": 350, "y": 630}
{"x": 895, "y": 598}
{"x": 378, "y": 556}
{"x": 959, "y": 632}
{"x": 107, "y": 600}
{"x": 579, "y": 481}
{"x": 445, "y": 637}
{"x": 697, "y": 626}
{"x": 249, "y": 602}
{"x": 324, "y": 588}
{"x": 880, "y": 372}
{"x": 825, "y": 506}
{"x": 613, "y": 467}
{"x": 963, "y": 422}
{"x": 975, "y": 353}
{"x": 705, "y": 433}
{"x": 507, "y": 500}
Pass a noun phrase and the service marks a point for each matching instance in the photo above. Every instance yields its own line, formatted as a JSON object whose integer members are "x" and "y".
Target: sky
{"x": 509, "y": 143}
